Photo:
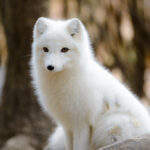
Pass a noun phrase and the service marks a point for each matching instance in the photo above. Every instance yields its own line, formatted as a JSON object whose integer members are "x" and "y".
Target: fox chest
{"x": 67, "y": 103}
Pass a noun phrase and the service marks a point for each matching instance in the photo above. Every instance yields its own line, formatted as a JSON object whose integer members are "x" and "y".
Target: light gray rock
{"x": 140, "y": 143}
{"x": 19, "y": 142}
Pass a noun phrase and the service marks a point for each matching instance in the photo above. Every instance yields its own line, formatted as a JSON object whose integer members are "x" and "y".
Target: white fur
{"x": 56, "y": 141}
{"x": 91, "y": 106}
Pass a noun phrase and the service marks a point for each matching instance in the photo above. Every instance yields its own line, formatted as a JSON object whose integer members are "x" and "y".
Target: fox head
{"x": 59, "y": 45}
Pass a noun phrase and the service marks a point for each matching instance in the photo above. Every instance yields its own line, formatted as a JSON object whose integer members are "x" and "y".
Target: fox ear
{"x": 74, "y": 26}
{"x": 40, "y": 27}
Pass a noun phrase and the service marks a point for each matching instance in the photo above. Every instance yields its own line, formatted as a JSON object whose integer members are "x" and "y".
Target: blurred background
{"x": 120, "y": 35}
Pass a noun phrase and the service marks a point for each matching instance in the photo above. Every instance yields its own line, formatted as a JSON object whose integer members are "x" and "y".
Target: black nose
{"x": 50, "y": 67}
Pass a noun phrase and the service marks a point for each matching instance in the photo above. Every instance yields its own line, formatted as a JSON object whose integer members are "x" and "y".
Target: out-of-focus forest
{"x": 120, "y": 35}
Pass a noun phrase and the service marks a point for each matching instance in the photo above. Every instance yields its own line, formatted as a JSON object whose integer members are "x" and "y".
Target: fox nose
{"x": 50, "y": 67}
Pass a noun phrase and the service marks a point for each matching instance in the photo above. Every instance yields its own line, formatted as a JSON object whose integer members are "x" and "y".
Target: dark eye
{"x": 64, "y": 50}
{"x": 45, "y": 49}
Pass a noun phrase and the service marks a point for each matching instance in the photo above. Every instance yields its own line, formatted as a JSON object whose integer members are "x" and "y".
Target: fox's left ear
{"x": 74, "y": 26}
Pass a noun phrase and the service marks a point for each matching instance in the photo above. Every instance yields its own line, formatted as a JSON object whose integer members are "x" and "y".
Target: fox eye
{"x": 45, "y": 49}
{"x": 64, "y": 50}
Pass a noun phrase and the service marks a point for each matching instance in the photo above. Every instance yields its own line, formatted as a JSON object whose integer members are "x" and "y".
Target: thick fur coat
{"x": 91, "y": 108}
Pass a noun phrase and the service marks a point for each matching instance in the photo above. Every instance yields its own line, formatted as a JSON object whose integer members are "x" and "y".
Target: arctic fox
{"x": 91, "y": 108}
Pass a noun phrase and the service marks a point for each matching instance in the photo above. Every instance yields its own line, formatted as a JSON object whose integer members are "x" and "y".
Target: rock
{"x": 23, "y": 142}
{"x": 140, "y": 143}
{"x": 19, "y": 142}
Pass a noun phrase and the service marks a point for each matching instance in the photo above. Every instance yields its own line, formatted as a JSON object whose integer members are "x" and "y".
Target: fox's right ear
{"x": 74, "y": 26}
{"x": 40, "y": 27}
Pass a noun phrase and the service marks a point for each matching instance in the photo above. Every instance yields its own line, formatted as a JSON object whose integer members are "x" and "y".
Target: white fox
{"x": 91, "y": 108}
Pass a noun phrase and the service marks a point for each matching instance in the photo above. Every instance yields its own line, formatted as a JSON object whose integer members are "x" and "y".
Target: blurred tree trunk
{"x": 19, "y": 111}
{"x": 141, "y": 41}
